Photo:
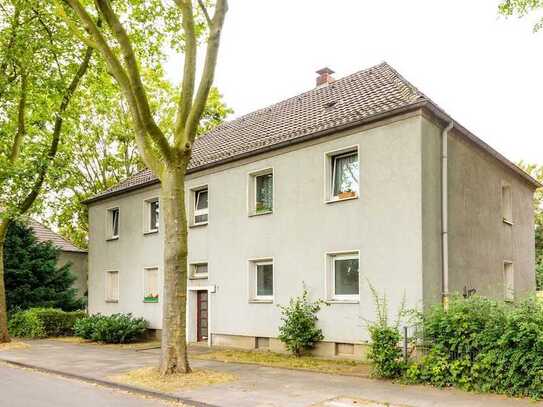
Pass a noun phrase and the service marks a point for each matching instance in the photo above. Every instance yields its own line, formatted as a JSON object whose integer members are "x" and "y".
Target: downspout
{"x": 445, "y": 216}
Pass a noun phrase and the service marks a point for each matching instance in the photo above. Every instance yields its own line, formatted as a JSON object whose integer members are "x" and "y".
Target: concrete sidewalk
{"x": 256, "y": 385}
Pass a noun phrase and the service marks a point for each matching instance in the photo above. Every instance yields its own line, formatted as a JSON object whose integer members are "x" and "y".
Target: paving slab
{"x": 256, "y": 386}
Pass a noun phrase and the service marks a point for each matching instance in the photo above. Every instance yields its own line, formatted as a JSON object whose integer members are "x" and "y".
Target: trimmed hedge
{"x": 43, "y": 322}
{"x": 117, "y": 328}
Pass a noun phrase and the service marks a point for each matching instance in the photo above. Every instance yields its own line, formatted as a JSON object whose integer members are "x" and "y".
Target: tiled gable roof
{"x": 44, "y": 234}
{"x": 365, "y": 94}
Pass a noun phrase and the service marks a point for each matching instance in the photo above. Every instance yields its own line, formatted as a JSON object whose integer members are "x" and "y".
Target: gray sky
{"x": 484, "y": 70}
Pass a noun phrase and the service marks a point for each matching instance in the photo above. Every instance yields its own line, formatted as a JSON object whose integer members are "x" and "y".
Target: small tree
{"x": 384, "y": 351}
{"x": 32, "y": 276}
{"x": 299, "y": 330}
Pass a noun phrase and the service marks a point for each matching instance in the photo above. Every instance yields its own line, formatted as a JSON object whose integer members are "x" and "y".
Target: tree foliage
{"x": 32, "y": 276}
{"x": 536, "y": 171}
{"x": 522, "y": 8}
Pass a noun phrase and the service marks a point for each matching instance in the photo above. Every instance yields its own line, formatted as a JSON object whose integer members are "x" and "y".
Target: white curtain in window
{"x": 345, "y": 173}
{"x": 264, "y": 192}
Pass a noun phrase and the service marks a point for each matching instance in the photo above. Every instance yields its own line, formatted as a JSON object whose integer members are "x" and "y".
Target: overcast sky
{"x": 484, "y": 70}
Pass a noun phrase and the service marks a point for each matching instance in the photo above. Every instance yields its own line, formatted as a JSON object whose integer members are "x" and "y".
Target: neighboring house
{"x": 68, "y": 253}
{"x": 345, "y": 184}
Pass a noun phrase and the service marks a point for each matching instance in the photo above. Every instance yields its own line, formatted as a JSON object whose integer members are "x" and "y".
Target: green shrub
{"x": 117, "y": 328}
{"x": 299, "y": 330}
{"x": 385, "y": 352}
{"x": 484, "y": 345}
{"x": 43, "y": 322}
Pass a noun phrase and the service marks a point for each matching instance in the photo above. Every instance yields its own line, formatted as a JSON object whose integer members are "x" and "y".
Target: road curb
{"x": 111, "y": 384}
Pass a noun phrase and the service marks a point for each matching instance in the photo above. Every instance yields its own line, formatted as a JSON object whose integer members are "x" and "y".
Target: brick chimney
{"x": 325, "y": 77}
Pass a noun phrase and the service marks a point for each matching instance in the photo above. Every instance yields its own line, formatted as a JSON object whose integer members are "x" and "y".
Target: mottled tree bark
{"x": 174, "y": 346}
{"x": 4, "y": 334}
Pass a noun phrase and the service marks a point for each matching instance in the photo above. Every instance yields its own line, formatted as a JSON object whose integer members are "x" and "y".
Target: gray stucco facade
{"x": 394, "y": 225}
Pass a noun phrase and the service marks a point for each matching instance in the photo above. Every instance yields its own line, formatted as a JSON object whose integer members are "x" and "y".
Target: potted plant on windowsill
{"x": 261, "y": 207}
{"x": 346, "y": 194}
{"x": 151, "y": 298}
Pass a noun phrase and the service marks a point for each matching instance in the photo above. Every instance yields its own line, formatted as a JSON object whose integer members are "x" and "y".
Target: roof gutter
{"x": 423, "y": 103}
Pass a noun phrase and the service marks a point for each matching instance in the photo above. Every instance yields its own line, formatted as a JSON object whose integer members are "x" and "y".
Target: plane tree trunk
{"x": 174, "y": 346}
{"x": 4, "y": 334}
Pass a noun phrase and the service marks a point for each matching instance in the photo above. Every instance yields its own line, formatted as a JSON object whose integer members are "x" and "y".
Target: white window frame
{"x": 506, "y": 203}
{"x": 252, "y": 191}
{"x": 329, "y": 172}
{"x": 253, "y": 280}
{"x": 196, "y": 276}
{"x": 330, "y": 275}
{"x": 145, "y": 270}
{"x": 109, "y": 223}
{"x": 106, "y": 294}
{"x": 200, "y": 212}
{"x": 147, "y": 207}
{"x": 508, "y": 292}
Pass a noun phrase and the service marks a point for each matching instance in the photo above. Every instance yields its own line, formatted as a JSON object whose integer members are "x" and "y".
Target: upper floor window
{"x": 507, "y": 203}
{"x": 152, "y": 212}
{"x": 113, "y": 223}
{"x": 201, "y": 210}
{"x": 342, "y": 174}
{"x": 261, "y": 192}
{"x": 198, "y": 270}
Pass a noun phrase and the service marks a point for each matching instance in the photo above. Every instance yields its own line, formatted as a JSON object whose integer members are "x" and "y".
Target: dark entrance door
{"x": 202, "y": 316}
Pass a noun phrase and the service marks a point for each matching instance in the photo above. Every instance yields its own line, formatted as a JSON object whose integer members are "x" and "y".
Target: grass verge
{"x": 346, "y": 367}
{"x": 150, "y": 378}
{"x": 134, "y": 345}
{"x": 13, "y": 345}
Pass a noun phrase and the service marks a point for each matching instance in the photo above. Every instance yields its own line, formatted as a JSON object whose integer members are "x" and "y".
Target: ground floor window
{"x": 261, "y": 280}
{"x": 112, "y": 286}
{"x": 150, "y": 284}
{"x": 343, "y": 276}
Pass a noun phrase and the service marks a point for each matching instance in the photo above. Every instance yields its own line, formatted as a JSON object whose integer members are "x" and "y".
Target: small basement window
{"x": 112, "y": 286}
{"x": 150, "y": 284}
{"x": 507, "y": 203}
{"x": 509, "y": 281}
{"x": 113, "y": 223}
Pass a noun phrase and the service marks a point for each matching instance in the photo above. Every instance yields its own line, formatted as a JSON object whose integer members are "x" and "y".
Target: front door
{"x": 201, "y": 316}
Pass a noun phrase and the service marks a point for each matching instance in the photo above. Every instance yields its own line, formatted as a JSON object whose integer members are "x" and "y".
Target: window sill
{"x": 197, "y": 225}
{"x": 198, "y": 277}
{"x": 254, "y": 213}
{"x": 112, "y": 301}
{"x": 150, "y": 232}
{"x": 150, "y": 301}
{"x": 337, "y": 301}
{"x": 110, "y": 239}
{"x": 261, "y": 301}
{"x": 334, "y": 200}
{"x": 508, "y": 222}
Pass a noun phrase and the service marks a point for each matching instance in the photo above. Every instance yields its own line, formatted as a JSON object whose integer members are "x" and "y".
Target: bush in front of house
{"x": 299, "y": 331}
{"x": 116, "y": 328}
{"x": 385, "y": 351}
{"x": 484, "y": 345}
{"x": 43, "y": 322}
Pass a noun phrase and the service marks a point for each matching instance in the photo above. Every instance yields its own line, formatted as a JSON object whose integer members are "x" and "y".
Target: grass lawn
{"x": 13, "y": 345}
{"x": 150, "y": 378}
{"x": 346, "y": 367}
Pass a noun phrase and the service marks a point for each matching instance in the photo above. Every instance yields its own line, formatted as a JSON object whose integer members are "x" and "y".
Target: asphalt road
{"x": 28, "y": 388}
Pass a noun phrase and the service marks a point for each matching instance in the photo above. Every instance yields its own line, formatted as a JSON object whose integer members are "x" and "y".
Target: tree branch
{"x": 189, "y": 71}
{"x": 42, "y": 172}
{"x": 208, "y": 72}
{"x": 206, "y": 14}
{"x": 21, "y": 110}
{"x": 118, "y": 72}
{"x": 135, "y": 79}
